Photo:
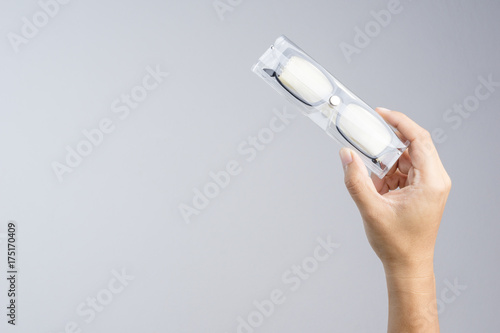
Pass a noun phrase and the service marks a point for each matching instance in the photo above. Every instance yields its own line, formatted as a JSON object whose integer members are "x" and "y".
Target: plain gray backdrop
{"x": 119, "y": 208}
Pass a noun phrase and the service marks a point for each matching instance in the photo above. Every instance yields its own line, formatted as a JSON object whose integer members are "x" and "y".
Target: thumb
{"x": 357, "y": 182}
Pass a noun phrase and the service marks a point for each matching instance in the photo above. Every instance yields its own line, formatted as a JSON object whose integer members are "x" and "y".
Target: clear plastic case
{"x": 333, "y": 107}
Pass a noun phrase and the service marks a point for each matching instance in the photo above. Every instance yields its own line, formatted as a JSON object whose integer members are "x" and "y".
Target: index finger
{"x": 421, "y": 150}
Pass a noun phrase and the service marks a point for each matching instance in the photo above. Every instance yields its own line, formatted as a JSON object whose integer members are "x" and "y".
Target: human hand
{"x": 401, "y": 225}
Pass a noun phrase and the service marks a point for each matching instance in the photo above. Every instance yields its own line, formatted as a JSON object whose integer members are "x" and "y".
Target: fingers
{"x": 404, "y": 163}
{"x": 393, "y": 169}
{"x": 357, "y": 182}
{"x": 380, "y": 184}
{"x": 410, "y": 129}
{"x": 389, "y": 182}
{"x": 422, "y": 153}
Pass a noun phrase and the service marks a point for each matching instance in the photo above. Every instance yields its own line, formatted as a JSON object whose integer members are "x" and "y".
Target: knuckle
{"x": 353, "y": 185}
{"x": 440, "y": 188}
{"x": 448, "y": 182}
{"x": 425, "y": 135}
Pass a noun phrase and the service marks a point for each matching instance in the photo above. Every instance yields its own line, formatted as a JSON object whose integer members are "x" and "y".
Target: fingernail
{"x": 345, "y": 157}
{"x": 383, "y": 109}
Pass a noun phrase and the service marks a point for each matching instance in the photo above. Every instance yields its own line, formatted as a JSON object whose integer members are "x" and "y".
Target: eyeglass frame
{"x": 274, "y": 73}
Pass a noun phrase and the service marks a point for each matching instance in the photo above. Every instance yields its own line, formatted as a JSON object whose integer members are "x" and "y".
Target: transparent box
{"x": 333, "y": 107}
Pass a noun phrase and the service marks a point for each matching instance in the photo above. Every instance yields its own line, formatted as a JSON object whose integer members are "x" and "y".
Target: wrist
{"x": 414, "y": 268}
{"x": 412, "y": 303}
{"x": 413, "y": 277}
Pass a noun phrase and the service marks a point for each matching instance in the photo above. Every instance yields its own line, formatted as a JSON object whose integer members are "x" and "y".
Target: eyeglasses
{"x": 311, "y": 86}
{"x": 333, "y": 107}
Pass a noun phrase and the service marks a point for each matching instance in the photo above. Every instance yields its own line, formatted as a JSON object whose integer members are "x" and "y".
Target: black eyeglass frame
{"x": 275, "y": 73}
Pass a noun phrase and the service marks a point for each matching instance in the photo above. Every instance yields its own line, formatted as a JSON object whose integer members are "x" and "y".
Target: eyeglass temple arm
{"x": 273, "y": 73}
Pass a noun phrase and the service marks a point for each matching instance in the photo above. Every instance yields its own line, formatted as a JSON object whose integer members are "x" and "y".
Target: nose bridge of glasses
{"x": 331, "y": 109}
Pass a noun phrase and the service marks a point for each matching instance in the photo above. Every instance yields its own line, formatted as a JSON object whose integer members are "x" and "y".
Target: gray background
{"x": 119, "y": 208}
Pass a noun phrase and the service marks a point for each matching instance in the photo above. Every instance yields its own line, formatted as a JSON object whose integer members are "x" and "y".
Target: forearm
{"x": 412, "y": 300}
{"x": 401, "y": 214}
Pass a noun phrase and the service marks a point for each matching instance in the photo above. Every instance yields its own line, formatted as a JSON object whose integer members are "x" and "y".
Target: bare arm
{"x": 401, "y": 215}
